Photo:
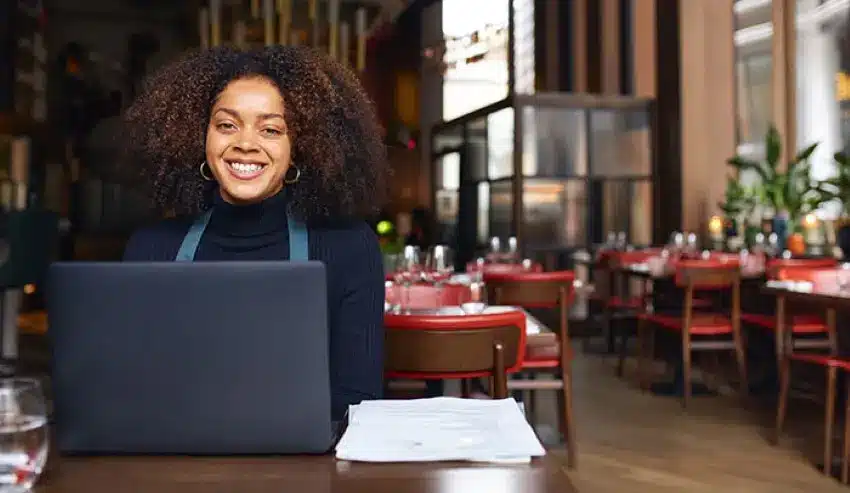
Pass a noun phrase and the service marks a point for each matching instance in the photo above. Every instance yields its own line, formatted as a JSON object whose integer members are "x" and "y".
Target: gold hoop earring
{"x": 206, "y": 176}
{"x": 290, "y": 181}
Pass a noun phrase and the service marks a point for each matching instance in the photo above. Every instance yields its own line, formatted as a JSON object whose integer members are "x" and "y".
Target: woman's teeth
{"x": 246, "y": 168}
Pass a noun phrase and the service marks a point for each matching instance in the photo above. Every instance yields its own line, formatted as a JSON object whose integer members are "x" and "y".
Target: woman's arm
{"x": 157, "y": 243}
{"x": 357, "y": 333}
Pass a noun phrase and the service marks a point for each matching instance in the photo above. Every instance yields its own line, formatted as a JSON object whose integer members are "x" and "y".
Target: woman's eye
{"x": 272, "y": 132}
{"x": 226, "y": 126}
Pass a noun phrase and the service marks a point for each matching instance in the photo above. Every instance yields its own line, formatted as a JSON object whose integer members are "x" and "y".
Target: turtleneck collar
{"x": 262, "y": 218}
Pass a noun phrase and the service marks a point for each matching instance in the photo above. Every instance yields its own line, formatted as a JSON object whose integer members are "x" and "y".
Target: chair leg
{"x": 741, "y": 357}
{"x": 567, "y": 425}
{"x": 530, "y": 406}
{"x": 829, "y": 419}
{"x": 845, "y": 457}
{"x": 782, "y": 405}
{"x": 645, "y": 352}
{"x": 621, "y": 356}
{"x": 686, "y": 371}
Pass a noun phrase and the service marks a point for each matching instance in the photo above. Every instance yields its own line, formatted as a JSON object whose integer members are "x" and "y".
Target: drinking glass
{"x": 440, "y": 266}
{"x": 513, "y": 250}
{"x": 408, "y": 271}
{"x": 478, "y": 273}
{"x": 842, "y": 277}
{"x": 23, "y": 434}
{"x": 495, "y": 246}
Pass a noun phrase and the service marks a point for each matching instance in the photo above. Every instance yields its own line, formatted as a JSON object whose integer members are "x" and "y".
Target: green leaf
{"x": 772, "y": 147}
{"x": 743, "y": 164}
{"x": 806, "y": 153}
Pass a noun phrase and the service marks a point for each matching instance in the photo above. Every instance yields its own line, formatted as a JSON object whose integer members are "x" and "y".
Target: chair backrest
{"x": 823, "y": 276}
{"x": 421, "y": 296}
{"x": 774, "y": 266}
{"x": 423, "y": 346}
{"x": 707, "y": 274}
{"x": 530, "y": 289}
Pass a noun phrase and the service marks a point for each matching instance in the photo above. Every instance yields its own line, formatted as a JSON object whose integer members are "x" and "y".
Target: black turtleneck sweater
{"x": 355, "y": 281}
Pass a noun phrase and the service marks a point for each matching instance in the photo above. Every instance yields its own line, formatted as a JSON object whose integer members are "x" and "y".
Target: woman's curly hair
{"x": 336, "y": 139}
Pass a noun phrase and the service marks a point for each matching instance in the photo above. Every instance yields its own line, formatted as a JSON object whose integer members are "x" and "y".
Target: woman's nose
{"x": 246, "y": 142}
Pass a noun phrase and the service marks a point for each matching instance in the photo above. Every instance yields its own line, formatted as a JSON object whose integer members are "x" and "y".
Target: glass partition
{"x": 587, "y": 169}
{"x": 500, "y": 144}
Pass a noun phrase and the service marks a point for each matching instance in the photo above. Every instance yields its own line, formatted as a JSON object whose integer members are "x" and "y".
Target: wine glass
{"x": 842, "y": 277}
{"x": 513, "y": 249}
{"x": 408, "y": 271}
{"x": 439, "y": 267}
{"x": 478, "y": 273}
{"x": 23, "y": 433}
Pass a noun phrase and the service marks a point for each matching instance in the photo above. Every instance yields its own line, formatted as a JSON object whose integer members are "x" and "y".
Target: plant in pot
{"x": 837, "y": 189}
{"x": 738, "y": 207}
{"x": 789, "y": 193}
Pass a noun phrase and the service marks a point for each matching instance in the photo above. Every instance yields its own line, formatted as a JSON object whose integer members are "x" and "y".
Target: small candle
{"x": 811, "y": 225}
{"x": 715, "y": 228}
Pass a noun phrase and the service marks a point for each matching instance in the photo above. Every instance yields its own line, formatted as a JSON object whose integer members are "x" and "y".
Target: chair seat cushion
{"x": 542, "y": 351}
{"x": 821, "y": 359}
{"x": 800, "y": 324}
{"x": 631, "y": 303}
{"x": 701, "y": 323}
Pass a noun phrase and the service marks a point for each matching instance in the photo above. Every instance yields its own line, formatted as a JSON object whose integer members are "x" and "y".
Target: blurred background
{"x": 554, "y": 121}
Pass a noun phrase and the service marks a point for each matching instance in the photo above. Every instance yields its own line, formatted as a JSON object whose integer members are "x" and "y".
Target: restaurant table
{"x": 308, "y": 474}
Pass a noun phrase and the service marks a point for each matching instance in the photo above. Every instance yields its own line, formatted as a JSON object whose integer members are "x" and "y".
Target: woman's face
{"x": 248, "y": 148}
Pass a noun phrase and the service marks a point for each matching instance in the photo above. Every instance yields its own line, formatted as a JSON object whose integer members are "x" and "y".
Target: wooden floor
{"x": 634, "y": 442}
{"x": 630, "y": 441}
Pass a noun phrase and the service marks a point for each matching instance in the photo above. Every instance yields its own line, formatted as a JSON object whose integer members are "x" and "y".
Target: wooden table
{"x": 317, "y": 474}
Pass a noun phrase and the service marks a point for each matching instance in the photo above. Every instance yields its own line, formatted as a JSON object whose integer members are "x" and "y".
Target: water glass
{"x": 23, "y": 434}
{"x": 439, "y": 265}
{"x": 408, "y": 271}
{"x": 842, "y": 277}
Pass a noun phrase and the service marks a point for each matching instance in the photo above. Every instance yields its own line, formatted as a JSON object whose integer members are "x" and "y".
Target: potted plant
{"x": 738, "y": 206}
{"x": 837, "y": 189}
{"x": 790, "y": 193}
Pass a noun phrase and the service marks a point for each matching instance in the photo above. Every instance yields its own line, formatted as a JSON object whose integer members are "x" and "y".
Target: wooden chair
{"x": 787, "y": 345}
{"x": 550, "y": 290}
{"x": 699, "y": 331}
{"x": 797, "y": 327}
{"x": 624, "y": 304}
{"x": 832, "y": 365}
{"x": 437, "y": 347}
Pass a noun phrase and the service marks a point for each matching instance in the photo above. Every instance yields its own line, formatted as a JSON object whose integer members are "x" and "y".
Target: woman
{"x": 271, "y": 155}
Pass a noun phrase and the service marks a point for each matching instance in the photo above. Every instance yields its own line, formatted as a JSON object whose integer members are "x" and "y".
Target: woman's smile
{"x": 245, "y": 169}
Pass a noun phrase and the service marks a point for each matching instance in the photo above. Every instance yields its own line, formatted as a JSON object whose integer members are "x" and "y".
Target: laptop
{"x": 196, "y": 358}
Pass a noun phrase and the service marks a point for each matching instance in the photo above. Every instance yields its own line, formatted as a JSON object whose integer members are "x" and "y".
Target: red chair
{"x": 798, "y": 330}
{"x": 775, "y": 265}
{"x": 545, "y": 353}
{"x": 832, "y": 365}
{"x": 435, "y": 347}
{"x": 425, "y": 296}
{"x": 699, "y": 331}
{"x": 787, "y": 344}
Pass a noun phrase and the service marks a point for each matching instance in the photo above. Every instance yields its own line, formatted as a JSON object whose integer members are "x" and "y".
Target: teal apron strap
{"x": 187, "y": 250}
{"x": 298, "y": 239}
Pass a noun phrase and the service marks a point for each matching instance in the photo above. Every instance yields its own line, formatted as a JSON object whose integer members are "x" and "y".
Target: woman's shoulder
{"x": 157, "y": 242}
